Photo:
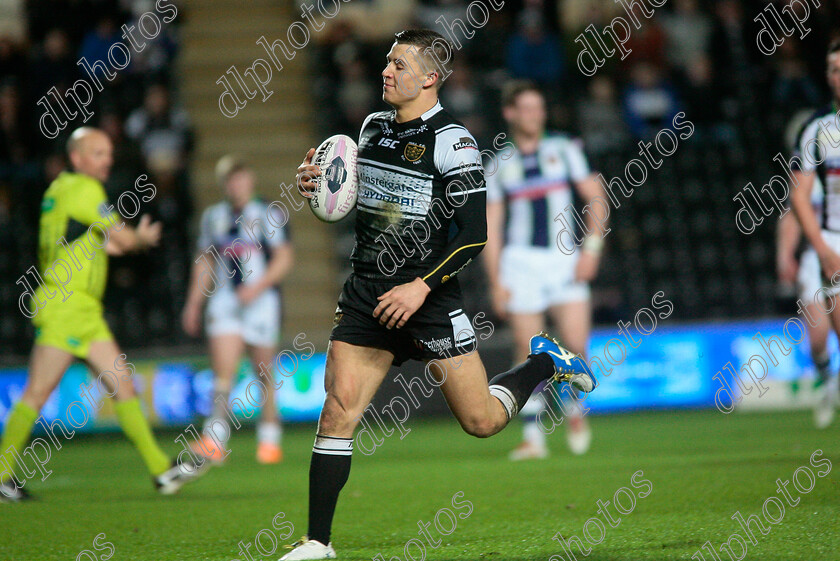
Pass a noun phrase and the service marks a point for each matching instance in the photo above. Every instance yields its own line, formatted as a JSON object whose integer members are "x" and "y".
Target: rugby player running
{"x": 419, "y": 171}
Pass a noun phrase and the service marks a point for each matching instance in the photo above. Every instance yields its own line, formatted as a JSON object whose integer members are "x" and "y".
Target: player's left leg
{"x": 818, "y": 339}
{"x": 269, "y": 427}
{"x": 167, "y": 475}
{"x": 484, "y": 410}
{"x": 573, "y": 323}
{"x": 809, "y": 282}
{"x": 260, "y": 331}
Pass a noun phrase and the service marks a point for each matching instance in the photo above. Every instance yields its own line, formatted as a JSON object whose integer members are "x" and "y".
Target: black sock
{"x": 823, "y": 365}
{"x": 514, "y": 387}
{"x": 328, "y": 472}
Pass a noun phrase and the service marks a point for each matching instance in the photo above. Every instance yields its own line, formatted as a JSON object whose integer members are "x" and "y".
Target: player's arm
{"x": 196, "y": 296}
{"x": 800, "y": 199}
{"x": 124, "y": 239}
{"x": 471, "y": 219}
{"x": 191, "y": 314}
{"x": 592, "y": 194}
{"x": 493, "y": 254}
{"x": 788, "y": 235}
{"x": 278, "y": 267}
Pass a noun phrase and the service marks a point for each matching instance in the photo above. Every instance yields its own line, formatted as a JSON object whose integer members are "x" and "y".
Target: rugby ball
{"x": 337, "y": 187}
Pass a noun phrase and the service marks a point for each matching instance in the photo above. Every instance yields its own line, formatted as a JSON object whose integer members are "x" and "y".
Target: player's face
{"x": 403, "y": 76}
{"x": 239, "y": 188}
{"x": 94, "y": 156}
{"x": 834, "y": 75}
{"x": 528, "y": 114}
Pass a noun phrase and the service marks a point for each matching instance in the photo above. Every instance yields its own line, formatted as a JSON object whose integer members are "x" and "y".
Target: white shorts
{"x": 833, "y": 241}
{"x": 809, "y": 277}
{"x": 258, "y": 323}
{"x": 539, "y": 278}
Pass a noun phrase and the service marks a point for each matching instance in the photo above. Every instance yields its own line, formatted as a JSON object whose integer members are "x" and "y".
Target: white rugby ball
{"x": 337, "y": 187}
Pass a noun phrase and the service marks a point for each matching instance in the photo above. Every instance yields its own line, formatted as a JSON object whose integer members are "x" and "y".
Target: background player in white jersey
{"x": 244, "y": 309}
{"x": 818, "y": 151}
{"x": 529, "y": 275}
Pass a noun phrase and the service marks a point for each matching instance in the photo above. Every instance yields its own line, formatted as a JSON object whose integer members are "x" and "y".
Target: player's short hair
{"x": 833, "y": 46}
{"x": 514, "y": 88}
{"x": 430, "y": 44}
{"x": 228, "y": 165}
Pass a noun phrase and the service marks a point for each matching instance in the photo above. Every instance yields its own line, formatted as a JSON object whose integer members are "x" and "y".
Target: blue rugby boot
{"x": 568, "y": 366}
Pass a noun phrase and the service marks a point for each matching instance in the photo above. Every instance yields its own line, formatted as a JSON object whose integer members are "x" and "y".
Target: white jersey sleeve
{"x": 807, "y": 147}
{"x": 578, "y": 166}
{"x": 495, "y": 190}
{"x": 456, "y": 153}
{"x": 276, "y": 220}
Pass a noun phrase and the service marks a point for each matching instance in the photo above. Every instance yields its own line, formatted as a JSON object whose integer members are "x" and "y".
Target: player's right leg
{"x": 522, "y": 272}
{"x": 572, "y": 319}
{"x": 269, "y": 428}
{"x": 352, "y": 375}
{"x": 809, "y": 281}
{"x": 533, "y": 445}
{"x": 46, "y": 367}
{"x": 824, "y": 385}
{"x": 225, "y": 354}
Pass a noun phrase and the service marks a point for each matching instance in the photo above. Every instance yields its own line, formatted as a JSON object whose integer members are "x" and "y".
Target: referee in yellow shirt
{"x": 69, "y": 320}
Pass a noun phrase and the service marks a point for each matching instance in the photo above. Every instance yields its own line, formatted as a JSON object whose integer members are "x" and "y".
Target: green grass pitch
{"x": 703, "y": 466}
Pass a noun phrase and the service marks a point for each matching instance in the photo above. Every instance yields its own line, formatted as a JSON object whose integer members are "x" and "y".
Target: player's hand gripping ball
{"x": 336, "y": 188}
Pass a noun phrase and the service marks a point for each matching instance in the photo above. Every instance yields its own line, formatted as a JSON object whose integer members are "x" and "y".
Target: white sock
{"x": 220, "y": 430}
{"x": 269, "y": 432}
{"x": 533, "y": 434}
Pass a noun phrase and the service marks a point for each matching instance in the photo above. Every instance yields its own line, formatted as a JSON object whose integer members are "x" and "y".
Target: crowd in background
{"x": 676, "y": 233}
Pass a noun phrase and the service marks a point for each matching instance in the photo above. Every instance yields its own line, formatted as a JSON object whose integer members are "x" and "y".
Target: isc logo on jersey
{"x": 337, "y": 187}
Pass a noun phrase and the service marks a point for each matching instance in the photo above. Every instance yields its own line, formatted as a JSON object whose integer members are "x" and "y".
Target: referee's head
{"x": 90, "y": 152}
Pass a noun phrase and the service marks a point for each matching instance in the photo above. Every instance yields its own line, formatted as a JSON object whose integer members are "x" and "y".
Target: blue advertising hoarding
{"x": 673, "y": 367}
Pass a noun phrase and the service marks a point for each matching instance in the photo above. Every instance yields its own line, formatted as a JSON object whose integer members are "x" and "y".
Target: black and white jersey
{"x": 818, "y": 147}
{"x": 415, "y": 180}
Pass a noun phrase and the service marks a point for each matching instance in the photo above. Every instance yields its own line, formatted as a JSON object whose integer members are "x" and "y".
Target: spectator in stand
{"x": 161, "y": 128}
{"x": 601, "y": 122}
{"x": 687, "y": 34}
{"x": 12, "y": 62}
{"x": 531, "y": 42}
{"x": 128, "y": 160}
{"x": 17, "y": 158}
{"x": 96, "y": 43}
{"x": 647, "y": 44}
{"x": 650, "y": 103}
{"x": 462, "y": 98}
{"x": 792, "y": 87}
{"x": 356, "y": 94}
{"x": 53, "y": 65}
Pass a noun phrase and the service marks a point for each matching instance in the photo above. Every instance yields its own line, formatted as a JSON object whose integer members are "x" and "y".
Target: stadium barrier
{"x": 673, "y": 369}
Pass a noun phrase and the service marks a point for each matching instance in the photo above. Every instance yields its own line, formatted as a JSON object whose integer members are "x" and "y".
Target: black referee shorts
{"x": 439, "y": 329}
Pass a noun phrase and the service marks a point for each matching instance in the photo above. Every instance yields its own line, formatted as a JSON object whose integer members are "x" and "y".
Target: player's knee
{"x": 336, "y": 416}
{"x": 479, "y": 427}
{"x": 36, "y": 395}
